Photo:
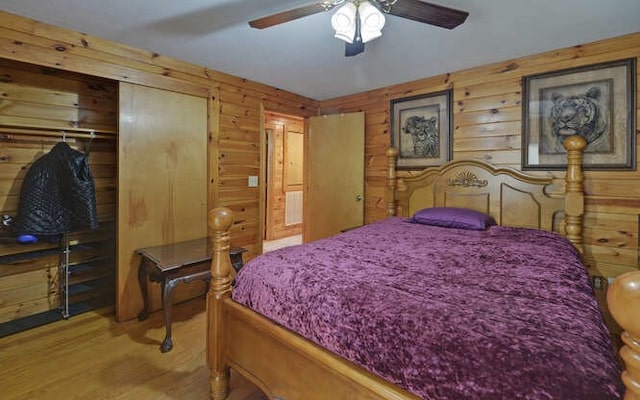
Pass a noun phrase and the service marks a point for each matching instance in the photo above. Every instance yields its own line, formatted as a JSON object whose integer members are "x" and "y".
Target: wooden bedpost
{"x": 574, "y": 191}
{"x": 220, "y": 220}
{"x": 623, "y": 298}
{"x": 390, "y": 189}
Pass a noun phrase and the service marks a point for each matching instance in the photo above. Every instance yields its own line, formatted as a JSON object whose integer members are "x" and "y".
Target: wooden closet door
{"x": 162, "y": 179}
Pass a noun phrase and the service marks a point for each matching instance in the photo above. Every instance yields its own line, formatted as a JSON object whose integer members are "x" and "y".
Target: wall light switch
{"x": 253, "y": 181}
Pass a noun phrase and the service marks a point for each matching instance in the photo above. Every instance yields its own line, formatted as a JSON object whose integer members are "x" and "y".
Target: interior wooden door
{"x": 334, "y": 180}
{"x": 162, "y": 179}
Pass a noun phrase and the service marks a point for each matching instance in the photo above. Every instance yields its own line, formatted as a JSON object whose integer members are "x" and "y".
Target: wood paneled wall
{"x": 487, "y": 125}
{"x": 235, "y": 112}
{"x": 275, "y": 225}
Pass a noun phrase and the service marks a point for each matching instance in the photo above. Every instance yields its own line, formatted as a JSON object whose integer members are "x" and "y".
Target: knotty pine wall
{"x": 487, "y": 125}
{"x": 236, "y": 104}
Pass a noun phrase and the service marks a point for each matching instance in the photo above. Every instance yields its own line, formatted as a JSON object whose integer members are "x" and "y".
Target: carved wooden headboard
{"x": 513, "y": 198}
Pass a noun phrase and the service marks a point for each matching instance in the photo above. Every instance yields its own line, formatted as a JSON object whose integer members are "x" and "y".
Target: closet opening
{"x": 51, "y": 270}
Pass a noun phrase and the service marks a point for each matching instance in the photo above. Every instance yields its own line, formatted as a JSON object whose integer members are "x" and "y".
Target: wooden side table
{"x": 172, "y": 263}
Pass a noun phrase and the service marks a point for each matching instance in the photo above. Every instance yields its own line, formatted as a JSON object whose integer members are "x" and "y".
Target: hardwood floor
{"x": 91, "y": 356}
{"x": 270, "y": 245}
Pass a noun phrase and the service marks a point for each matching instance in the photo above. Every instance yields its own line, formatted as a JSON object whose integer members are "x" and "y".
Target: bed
{"x": 474, "y": 321}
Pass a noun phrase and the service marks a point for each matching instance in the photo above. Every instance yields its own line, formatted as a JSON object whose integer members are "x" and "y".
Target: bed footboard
{"x": 623, "y": 298}
{"x": 220, "y": 221}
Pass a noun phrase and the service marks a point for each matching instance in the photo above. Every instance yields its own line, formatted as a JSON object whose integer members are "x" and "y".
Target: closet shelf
{"x": 11, "y": 247}
{"x": 80, "y": 133}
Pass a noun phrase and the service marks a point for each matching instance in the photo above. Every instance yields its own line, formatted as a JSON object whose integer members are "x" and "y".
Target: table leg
{"x": 167, "y": 289}
{"x": 142, "y": 280}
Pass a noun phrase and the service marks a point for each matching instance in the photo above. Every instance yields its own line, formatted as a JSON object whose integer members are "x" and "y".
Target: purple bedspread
{"x": 506, "y": 313}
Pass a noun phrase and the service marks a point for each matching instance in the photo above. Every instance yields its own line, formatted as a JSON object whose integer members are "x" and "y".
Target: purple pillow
{"x": 452, "y": 217}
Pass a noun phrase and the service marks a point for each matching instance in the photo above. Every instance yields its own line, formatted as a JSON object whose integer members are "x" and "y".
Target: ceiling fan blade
{"x": 290, "y": 15}
{"x": 428, "y": 13}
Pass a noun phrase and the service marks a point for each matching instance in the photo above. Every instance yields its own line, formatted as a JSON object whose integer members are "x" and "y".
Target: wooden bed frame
{"x": 623, "y": 299}
{"x": 286, "y": 366}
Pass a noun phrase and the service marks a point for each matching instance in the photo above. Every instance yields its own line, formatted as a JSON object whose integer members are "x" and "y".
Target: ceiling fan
{"x": 359, "y": 21}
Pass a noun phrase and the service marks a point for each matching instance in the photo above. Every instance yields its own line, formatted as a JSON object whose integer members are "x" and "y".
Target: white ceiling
{"x": 303, "y": 57}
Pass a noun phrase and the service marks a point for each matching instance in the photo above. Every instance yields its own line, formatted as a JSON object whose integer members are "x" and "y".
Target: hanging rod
{"x": 79, "y": 133}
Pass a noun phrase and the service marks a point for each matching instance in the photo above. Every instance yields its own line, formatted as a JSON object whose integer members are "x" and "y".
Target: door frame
{"x": 265, "y": 170}
{"x": 268, "y": 179}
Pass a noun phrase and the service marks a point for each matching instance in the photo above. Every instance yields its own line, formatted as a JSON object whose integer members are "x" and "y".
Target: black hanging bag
{"x": 57, "y": 195}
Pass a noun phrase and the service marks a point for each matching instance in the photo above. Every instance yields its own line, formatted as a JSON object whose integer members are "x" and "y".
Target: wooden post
{"x": 390, "y": 189}
{"x": 220, "y": 220}
{"x": 574, "y": 191}
{"x": 623, "y": 298}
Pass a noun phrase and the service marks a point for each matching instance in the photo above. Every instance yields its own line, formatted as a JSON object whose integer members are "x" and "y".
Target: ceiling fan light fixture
{"x": 344, "y": 22}
{"x": 371, "y": 21}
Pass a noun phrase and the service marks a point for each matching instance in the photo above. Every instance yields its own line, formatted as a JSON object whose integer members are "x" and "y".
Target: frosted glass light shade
{"x": 344, "y": 22}
{"x": 371, "y": 21}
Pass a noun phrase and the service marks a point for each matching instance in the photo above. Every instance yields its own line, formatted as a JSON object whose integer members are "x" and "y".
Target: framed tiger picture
{"x": 596, "y": 102}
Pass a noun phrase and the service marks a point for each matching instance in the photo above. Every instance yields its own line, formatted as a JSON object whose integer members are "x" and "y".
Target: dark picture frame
{"x": 422, "y": 129}
{"x": 595, "y": 101}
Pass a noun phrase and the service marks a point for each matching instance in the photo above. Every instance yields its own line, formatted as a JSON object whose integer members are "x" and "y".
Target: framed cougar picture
{"x": 421, "y": 130}
{"x": 594, "y": 101}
